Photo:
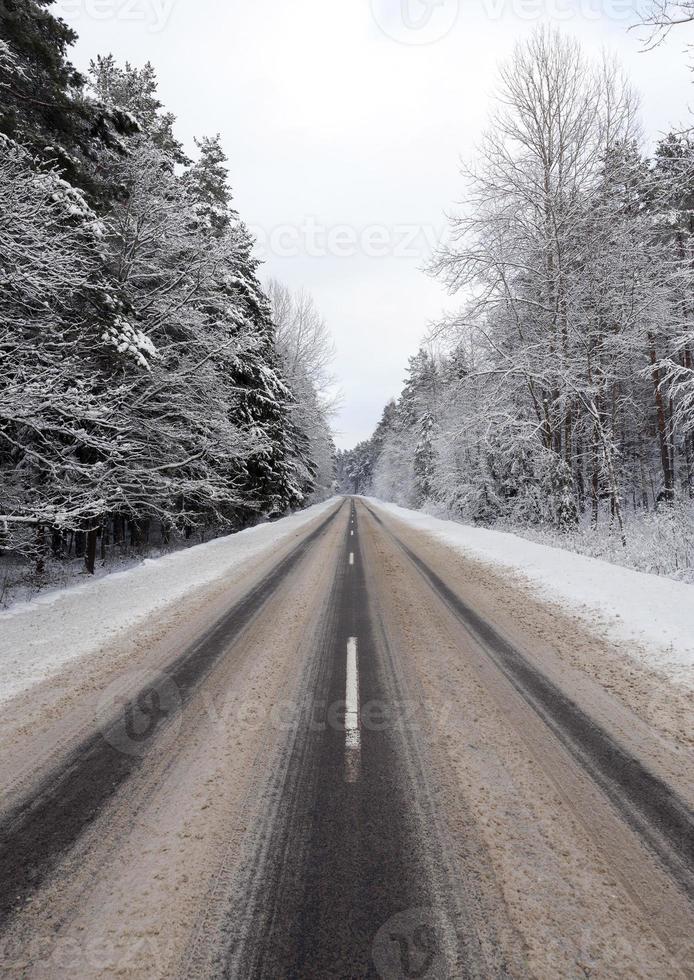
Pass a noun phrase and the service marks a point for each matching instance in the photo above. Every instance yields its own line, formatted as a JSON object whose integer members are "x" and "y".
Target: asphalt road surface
{"x": 365, "y": 758}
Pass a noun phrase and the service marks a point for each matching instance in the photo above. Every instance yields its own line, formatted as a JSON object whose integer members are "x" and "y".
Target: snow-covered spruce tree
{"x": 356, "y": 466}
{"x": 132, "y": 92}
{"x": 398, "y": 462}
{"x": 55, "y": 425}
{"x": 354, "y": 469}
{"x": 182, "y": 271}
{"x": 424, "y": 460}
{"x": 142, "y": 422}
{"x": 44, "y": 105}
{"x": 277, "y": 474}
{"x": 403, "y": 446}
{"x": 140, "y": 380}
{"x": 187, "y": 449}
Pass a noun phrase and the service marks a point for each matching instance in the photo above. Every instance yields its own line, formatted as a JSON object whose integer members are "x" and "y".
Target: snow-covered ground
{"x": 650, "y": 617}
{"x": 37, "y": 638}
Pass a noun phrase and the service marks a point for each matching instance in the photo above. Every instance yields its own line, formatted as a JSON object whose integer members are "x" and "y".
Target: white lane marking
{"x": 351, "y": 557}
{"x": 352, "y": 687}
{"x": 352, "y": 733}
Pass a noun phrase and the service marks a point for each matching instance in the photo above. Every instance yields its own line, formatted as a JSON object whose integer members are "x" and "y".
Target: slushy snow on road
{"x": 37, "y": 638}
{"x": 650, "y": 617}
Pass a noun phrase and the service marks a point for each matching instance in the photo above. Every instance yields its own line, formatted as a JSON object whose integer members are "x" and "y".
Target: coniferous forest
{"x": 150, "y": 392}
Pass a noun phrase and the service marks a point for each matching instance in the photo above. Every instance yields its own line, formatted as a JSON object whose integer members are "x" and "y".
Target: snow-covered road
{"x": 38, "y": 638}
{"x": 323, "y": 745}
{"x": 650, "y": 617}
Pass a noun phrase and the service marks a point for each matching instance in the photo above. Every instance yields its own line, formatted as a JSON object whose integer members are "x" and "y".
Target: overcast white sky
{"x": 344, "y": 124}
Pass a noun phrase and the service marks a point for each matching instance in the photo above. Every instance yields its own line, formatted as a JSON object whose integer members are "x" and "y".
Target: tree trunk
{"x": 40, "y": 550}
{"x": 608, "y": 453}
{"x": 642, "y": 472}
{"x": 80, "y": 544}
{"x": 595, "y": 482}
{"x": 580, "y": 483}
{"x": 57, "y": 543}
{"x": 668, "y": 480}
{"x": 672, "y": 447}
{"x": 134, "y": 534}
{"x": 90, "y": 551}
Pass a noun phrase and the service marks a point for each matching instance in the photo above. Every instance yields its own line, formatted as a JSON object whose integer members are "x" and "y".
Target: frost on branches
{"x": 560, "y": 394}
{"x": 143, "y": 394}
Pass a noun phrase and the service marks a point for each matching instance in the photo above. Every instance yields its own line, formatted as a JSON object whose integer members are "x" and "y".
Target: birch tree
{"x": 306, "y": 352}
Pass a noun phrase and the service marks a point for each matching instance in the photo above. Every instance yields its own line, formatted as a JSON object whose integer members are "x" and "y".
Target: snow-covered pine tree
{"x": 133, "y": 93}
{"x": 56, "y": 426}
{"x": 278, "y": 474}
{"x": 44, "y": 107}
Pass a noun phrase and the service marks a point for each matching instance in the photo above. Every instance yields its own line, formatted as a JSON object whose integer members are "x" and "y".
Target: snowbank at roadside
{"x": 37, "y": 638}
{"x": 649, "y": 616}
